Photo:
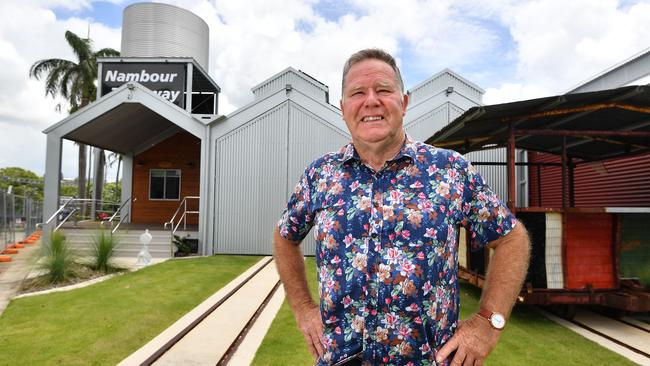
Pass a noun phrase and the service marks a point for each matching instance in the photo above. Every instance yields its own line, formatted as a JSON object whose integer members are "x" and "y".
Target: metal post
{"x": 565, "y": 200}
{"x": 3, "y": 225}
{"x": 539, "y": 186}
{"x": 185, "y": 214}
{"x": 572, "y": 200}
{"x": 511, "y": 168}
{"x": 52, "y": 179}
{"x": 12, "y": 220}
{"x": 616, "y": 249}
{"x": 127, "y": 179}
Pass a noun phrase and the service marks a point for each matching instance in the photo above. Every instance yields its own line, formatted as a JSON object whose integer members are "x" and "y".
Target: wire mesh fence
{"x": 18, "y": 217}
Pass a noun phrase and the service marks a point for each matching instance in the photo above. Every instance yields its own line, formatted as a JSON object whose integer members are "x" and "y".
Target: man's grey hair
{"x": 372, "y": 53}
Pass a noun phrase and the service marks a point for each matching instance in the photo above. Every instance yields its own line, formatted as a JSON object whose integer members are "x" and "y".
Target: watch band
{"x": 485, "y": 313}
{"x": 496, "y": 320}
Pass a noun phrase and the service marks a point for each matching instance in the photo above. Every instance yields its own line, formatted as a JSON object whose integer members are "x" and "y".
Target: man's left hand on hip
{"x": 474, "y": 340}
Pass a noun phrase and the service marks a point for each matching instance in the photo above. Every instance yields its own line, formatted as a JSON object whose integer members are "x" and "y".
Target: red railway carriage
{"x": 589, "y": 192}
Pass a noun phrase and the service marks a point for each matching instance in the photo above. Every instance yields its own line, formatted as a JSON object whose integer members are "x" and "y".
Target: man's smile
{"x": 372, "y": 118}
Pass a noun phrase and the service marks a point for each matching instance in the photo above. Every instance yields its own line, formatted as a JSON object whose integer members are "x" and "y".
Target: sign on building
{"x": 166, "y": 80}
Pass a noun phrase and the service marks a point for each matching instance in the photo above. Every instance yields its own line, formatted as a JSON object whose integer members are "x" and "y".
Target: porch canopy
{"x": 128, "y": 120}
{"x": 587, "y": 127}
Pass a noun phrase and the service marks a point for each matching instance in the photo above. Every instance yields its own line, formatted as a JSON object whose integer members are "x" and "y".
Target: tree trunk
{"x": 101, "y": 165}
{"x": 89, "y": 172}
{"x": 118, "y": 192}
{"x": 117, "y": 174}
{"x": 81, "y": 176}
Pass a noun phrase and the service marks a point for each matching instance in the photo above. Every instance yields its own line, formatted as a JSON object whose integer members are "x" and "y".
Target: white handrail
{"x": 70, "y": 202}
{"x": 122, "y": 217}
{"x": 183, "y": 218}
{"x": 47, "y": 222}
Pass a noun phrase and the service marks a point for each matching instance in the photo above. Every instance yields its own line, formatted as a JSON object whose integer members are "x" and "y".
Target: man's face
{"x": 372, "y": 103}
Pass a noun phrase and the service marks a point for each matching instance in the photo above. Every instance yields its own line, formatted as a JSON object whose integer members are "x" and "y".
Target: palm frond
{"x": 73, "y": 81}
{"x": 41, "y": 67}
{"x": 82, "y": 47}
{"x": 107, "y": 52}
{"x": 53, "y": 82}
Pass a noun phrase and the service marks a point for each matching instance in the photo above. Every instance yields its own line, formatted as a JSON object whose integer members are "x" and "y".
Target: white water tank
{"x": 163, "y": 30}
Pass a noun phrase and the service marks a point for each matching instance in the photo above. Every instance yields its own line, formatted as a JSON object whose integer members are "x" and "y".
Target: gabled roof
{"x": 597, "y": 125}
{"x": 122, "y": 119}
{"x": 297, "y": 79}
{"x": 440, "y": 82}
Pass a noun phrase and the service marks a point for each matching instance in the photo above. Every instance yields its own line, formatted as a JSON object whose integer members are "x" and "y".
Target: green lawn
{"x": 529, "y": 339}
{"x": 104, "y": 323}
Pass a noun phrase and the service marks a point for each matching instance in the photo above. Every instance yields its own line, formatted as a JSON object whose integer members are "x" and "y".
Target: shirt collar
{"x": 409, "y": 150}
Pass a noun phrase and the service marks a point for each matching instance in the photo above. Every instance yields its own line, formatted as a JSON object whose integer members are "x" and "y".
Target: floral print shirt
{"x": 386, "y": 248}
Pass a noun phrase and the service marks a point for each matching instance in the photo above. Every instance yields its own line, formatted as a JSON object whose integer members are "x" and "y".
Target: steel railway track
{"x": 629, "y": 333}
{"x": 225, "y": 357}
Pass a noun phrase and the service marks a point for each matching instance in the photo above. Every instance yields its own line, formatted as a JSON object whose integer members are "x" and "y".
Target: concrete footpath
{"x": 12, "y": 273}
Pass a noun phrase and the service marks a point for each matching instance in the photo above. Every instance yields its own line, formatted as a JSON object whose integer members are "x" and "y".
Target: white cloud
{"x": 560, "y": 44}
{"x": 556, "y": 45}
{"x": 30, "y": 32}
{"x": 253, "y": 40}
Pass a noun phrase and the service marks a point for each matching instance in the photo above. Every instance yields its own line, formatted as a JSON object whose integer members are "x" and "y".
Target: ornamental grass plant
{"x": 58, "y": 259}
{"x": 103, "y": 252}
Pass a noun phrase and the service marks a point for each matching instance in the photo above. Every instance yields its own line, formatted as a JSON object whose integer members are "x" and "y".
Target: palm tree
{"x": 76, "y": 83}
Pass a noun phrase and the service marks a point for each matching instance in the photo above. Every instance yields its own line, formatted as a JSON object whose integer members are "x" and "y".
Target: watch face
{"x": 498, "y": 321}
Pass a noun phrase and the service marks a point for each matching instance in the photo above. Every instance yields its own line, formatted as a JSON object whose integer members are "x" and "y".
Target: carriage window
{"x": 164, "y": 184}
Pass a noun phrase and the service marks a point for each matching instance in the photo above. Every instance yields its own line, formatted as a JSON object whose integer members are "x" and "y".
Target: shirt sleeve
{"x": 485, "y": 215}
{"x": 297, "y": 218}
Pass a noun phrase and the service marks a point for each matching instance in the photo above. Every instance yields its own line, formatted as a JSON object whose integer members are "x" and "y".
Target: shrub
{"x": 58, "y": 259}
{"x": 185, "y": 246}
{"x": 104, "y": 245}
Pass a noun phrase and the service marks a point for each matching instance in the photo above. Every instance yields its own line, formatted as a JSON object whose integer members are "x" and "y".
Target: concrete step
{"x": 134, "y": 236}
{"x": 126, "y": 252}
{"x": 81, "y": 241}
{"x": 124, "y": 246}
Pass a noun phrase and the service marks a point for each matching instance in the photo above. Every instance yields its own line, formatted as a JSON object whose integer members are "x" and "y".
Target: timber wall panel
{"x": 181, "y": 151}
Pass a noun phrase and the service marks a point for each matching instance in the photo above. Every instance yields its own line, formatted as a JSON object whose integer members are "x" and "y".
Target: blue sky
{"x": 485, "y": 68}
{"x": 104, "y": 12}
{"x": 513, "y": 49}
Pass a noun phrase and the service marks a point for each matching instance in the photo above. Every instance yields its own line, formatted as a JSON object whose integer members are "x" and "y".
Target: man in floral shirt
{"x": 385, "y": 211}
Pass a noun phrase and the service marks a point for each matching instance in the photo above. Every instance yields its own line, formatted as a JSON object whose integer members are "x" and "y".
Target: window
{"x": 164, "y": 184}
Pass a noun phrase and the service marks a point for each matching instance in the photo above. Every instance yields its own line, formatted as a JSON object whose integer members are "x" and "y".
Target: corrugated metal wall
{"x": 426, "y": 125}
{"x": 497, "y": 175}
{"x": 163, "y": 30}
{"x": 612, "y": 183}
{"x": 258, "y": 165}
{"x": 622, "y": 182}
{"x": 251, "y": 164}
{"x": 309, "y": 138}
